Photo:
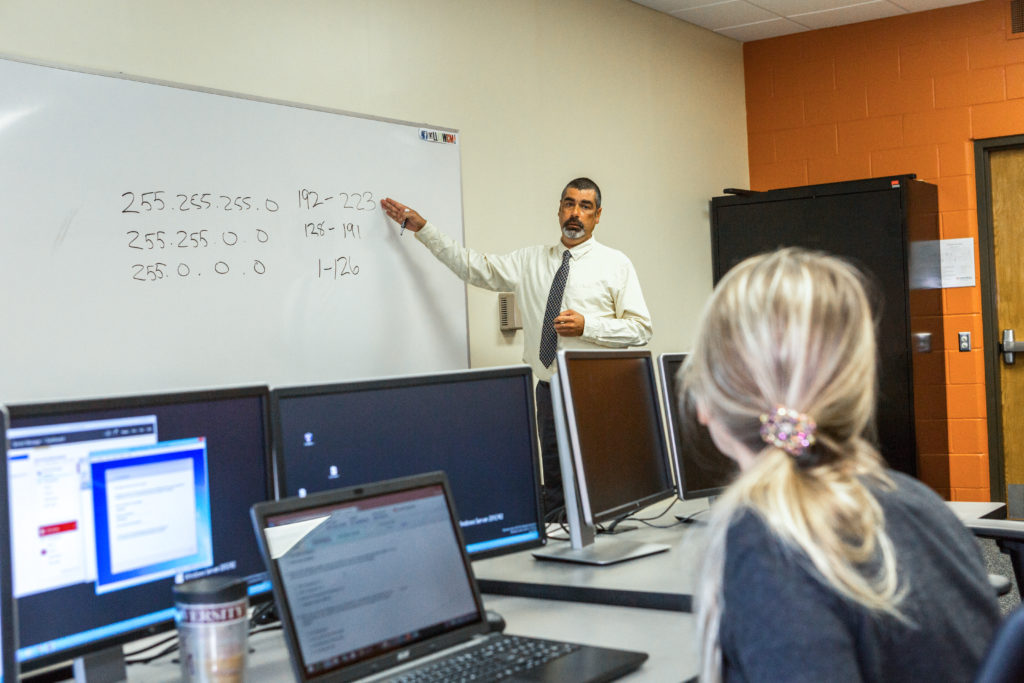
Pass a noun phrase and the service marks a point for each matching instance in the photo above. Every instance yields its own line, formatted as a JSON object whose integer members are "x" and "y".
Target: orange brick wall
{"x": 907, "y": 94}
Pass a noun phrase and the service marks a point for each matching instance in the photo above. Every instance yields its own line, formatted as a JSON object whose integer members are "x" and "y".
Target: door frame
{"x": 989, "y": 318}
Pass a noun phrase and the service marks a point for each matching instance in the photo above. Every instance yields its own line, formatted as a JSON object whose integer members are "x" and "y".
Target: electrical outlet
{"x": 964, "y": 341}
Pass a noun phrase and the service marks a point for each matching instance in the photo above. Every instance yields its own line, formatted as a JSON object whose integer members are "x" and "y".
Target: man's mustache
{"x": 572, "y": 222}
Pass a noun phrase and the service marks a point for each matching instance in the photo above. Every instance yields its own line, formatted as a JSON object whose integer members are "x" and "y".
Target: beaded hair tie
{"x": 788, "y": 429}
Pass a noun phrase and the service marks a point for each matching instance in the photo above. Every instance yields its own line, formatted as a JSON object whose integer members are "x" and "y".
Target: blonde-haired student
{"x": 822, "y": 564}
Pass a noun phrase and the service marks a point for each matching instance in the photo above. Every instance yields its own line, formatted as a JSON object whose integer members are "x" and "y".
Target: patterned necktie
{"x": 548, "y": 337}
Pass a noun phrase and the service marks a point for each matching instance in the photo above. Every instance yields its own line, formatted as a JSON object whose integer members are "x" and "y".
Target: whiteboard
{"x": 154, "y": 238}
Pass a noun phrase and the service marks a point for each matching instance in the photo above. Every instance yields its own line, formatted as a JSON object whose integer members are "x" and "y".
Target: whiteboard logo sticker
{"x": 428, "y": 135}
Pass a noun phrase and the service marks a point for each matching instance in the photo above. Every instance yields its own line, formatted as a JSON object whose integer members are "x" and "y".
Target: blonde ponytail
{"x": 794, "y": 329}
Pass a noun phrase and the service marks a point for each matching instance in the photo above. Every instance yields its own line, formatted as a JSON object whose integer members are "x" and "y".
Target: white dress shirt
{"x": 602, "y": 287}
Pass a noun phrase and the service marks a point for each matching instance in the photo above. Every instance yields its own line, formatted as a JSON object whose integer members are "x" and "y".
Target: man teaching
{"x": 575, "y": 294}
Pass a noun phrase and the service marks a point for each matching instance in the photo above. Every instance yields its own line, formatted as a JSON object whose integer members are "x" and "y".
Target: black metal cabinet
{"x": 872, "y": 223}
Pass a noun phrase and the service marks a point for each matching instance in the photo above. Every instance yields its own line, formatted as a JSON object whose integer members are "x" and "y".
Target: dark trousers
{"x": 553, "y": 496}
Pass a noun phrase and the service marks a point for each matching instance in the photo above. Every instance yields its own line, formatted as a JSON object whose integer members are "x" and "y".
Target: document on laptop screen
{"x": 370, "y": 576}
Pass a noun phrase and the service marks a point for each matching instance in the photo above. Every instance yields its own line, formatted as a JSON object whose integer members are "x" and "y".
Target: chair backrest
{"x": 1004, "y": 662}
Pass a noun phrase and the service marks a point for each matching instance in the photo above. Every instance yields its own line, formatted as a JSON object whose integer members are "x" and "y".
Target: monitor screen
{"x": 478, "y": 426}
{"x": 114, "y": 500}
{"x": 701, "y": 469}
{"x": 8, "y": 630}
{"x": 614, "y": 420}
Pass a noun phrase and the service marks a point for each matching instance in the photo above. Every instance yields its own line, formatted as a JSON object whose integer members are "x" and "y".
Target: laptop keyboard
{"x": 493, "y": 660}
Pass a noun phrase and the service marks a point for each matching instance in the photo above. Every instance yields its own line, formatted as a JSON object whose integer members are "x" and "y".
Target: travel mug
{"x": 212, "y": 615}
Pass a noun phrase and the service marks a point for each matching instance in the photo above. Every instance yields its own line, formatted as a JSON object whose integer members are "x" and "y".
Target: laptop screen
{"x": 364, "y": 573}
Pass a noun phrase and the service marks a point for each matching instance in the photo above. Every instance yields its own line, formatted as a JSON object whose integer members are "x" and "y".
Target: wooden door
{"x": 1007, "y": 202}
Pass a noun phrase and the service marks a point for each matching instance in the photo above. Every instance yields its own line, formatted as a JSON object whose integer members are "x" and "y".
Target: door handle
{"x": 1010, "y": 347}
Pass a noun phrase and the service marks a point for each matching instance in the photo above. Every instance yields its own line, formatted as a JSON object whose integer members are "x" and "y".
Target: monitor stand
{"x": 603, "y": 552}
{"x": 103, "y": 666}
{"x": 584, "y": 548}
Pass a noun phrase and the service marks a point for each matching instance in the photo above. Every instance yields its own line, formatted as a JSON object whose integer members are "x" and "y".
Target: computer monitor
{"x": 702, "y": 471}
{"x": 8, "y": 624}
{"x": 612, "y": 448}
{"x": 478, "y": 426}
{"x": 114, "y": 500}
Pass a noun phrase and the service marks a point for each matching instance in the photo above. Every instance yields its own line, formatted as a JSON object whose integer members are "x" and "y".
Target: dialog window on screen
{"x": 104, "y": 502}
{"x": 152, "y": 512}
{"x": 52, "y": 536}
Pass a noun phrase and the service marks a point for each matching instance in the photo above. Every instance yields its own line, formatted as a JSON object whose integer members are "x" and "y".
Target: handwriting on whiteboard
{"x": 168, "y": 248}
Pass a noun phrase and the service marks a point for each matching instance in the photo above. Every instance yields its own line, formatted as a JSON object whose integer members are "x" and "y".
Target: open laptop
{"x": 374, "y": 581}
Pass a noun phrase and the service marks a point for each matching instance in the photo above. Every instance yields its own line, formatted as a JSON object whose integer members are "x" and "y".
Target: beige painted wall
{"x": 542, "y": 91}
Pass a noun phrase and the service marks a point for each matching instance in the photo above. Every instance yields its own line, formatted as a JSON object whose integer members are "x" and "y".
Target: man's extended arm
{"x": 497, "y": 273}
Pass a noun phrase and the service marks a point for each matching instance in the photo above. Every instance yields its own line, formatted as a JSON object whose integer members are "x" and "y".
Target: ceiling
{"x": 746, "y": 20}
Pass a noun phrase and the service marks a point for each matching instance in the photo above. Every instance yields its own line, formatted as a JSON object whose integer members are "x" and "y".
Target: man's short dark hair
{"x": 584, "y": 184}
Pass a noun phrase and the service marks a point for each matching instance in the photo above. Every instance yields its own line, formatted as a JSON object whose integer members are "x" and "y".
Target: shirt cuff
{"x": 427, "y": 232}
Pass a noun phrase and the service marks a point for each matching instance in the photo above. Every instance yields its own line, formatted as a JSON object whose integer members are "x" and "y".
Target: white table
{"x": 666, "y": 636}
{"x": 664, "y": 581}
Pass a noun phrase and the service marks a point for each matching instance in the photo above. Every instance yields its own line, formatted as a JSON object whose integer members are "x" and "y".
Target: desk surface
{"x": 972, "y": 510}
{"x": 608, "y": 607}
{"x": 666, "y": 636}
{"x": 663, "y": 581}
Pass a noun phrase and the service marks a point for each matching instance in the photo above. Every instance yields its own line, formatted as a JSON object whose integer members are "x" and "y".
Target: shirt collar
{"x": 579, "y": 251}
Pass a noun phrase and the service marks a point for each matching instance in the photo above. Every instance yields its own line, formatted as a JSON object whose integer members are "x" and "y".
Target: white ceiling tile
{"x": 879, "y": 9}
{"x": 669, "y": 6}
{"x": 747, "y": 20}
{"x": 924, "y": 5}
{"x": 723, "y": 14}
{"x": 786, "y": 8}
{"x": 761, "y": 30}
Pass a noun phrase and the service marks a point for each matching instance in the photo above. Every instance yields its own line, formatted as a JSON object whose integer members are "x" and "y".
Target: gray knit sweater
{"x": 782, "y": 624}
